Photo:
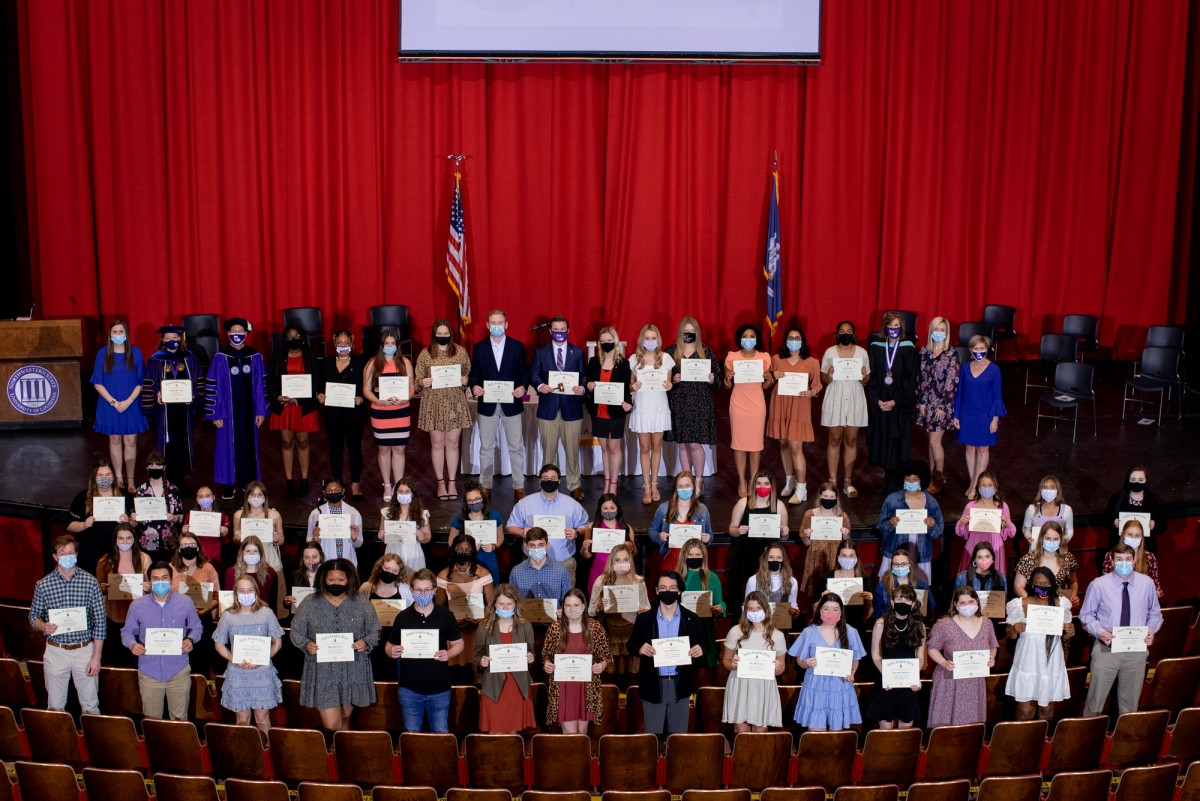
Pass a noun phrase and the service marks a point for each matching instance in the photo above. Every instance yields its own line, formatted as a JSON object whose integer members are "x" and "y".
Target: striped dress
{"x": 390, "y": 424}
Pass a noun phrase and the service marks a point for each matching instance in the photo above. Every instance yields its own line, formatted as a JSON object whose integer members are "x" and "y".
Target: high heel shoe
{"x": 441, "y": 492}
{"x": 646, "y": 499}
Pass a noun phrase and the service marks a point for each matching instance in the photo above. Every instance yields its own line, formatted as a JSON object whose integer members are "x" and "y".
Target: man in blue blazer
{"x": 560, "y": 405}
{"x": 500, "y": 358}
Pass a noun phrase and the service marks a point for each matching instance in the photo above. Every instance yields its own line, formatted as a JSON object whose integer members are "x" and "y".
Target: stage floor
{"x": 45, "y": 469}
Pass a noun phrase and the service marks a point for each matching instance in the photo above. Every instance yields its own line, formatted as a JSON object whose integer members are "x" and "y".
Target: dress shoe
{"x": 577, "y": 493}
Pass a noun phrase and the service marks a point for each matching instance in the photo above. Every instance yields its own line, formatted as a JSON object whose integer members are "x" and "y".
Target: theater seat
{"x": 890, "y": 756}
{"x": 236, "y": 751}
{"x": 114, "y": 785}
{"x": 112, "y": 742}
{"x": 173, "y": 746}
{"x": 1184, "y": 747}
{"x": 15, "y": 691}
{"x": 826, "y": 758}
{"x": 716, "y": 795}
{"x": 400, "y": 793}
{"x": 1089, "y": 785}
{"x": 496, "y": 761}
{"x": 298, "y": 755}
{"x": 1190, "y": 791}
{"x": 1137, "y": 739}
{"x": 325, "y": 791}
{"x": 1173, "y": 685}
{"x": 1077, "y": 744}
{"x": 561, "y": 761}
{"x": 634, "y": 795}
{"x": 953, "y": 752}
{"x": 1011, "y": 788}
{"x": 695, "y": 761}
{"x": 957, "y": 790}
{"x": 12, "y": 743}
{"x": 628, "y": 762}
{"x": 793, "y": 794}
{"x": 429, "y": 760}
{"x": 1016, "y": 748}
{"x": 556, "y": 795}
{"x": 38, "y": 780}
{"x": 52, "y": 737}
{"x": 874, "y": 792}
{"x": 480, "y": 794}
{"x": 255, "y": 790}
{"x": 178, "y": 787}
{"x": 761, "y": 759}
{"x": 364, "y": 758}
{"x": 1145, "y": 783}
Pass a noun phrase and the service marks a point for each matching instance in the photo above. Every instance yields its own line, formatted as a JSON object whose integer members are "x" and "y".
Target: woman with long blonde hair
{"x": 651, "y": 417}
{"x": 619, "y": 572}
{"x": 693, "y": 404}
{"x": 937, "y": 385}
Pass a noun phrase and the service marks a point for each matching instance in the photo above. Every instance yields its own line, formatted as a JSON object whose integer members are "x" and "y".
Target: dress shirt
{"x": 573, "y": 515}
{"x": 551, "y": 580}
{"x": 176, "y": 612}
{"x": 667, "y": 627}
{"x": 56, "y": 592}
{"x": 1102, "y": 604}
{"x": 329, "y": 545}
{"x": 498, "y": 350}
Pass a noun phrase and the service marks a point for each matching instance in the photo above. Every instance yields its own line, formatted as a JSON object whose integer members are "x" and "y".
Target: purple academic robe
{"x": 220, "y": 407}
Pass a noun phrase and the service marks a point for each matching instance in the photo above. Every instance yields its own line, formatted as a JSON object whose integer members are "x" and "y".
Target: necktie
{"x": 559, "y": 355}
{"x": 1125, "y": 603}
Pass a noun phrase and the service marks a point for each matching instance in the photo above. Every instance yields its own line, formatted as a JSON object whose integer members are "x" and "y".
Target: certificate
{"x": 1044, "y": 620}
{"x": 1141, "y": 517}
{"x": 781, "y": 616}
{"x": 991, "y": 604}
{"x": 539, "y": 610}
{"x": 756, "y": 663}
{"x": 834, "y": 662}
{"x": 827, "y": 528}
{"x": 466, "y": 607}
{"x": 108, "y": 509}
{"x": 572, "y": 667}
{"x": 297, "y": 387}
{"x": 850, "y": 589}
{"x": 204, "y": 524}
{"x": 985, "y": 520}
{"x": 251, "y": 648}
{"x": 971, "y": 664}
{"x": 334, "y": 527}
{"x": 555, "y": 526}
{"x": 510, "y": 658}
{"x": 679, "y": 533}
{"x": 261, "y": 527}
{"x": 300, "y": 593}
{"x": 482, "y": 531}
{"x": 747, "y": 371}
{"x": 163, "y": 642}
{"x": 792, "y": 384}
{"x": 698, "y": 601}
{"x": 176, "y": 390}
{"x": 386, "y": 609}
{"x": 921, "y": 607}
{"x": 605, "y": 539}
{"x": 150, "y": 508}
{"x": 201, "y": 592}
{"x": 124, "y": 586}
{"x": 562, "y": 382}
{"x": 695, "y": 370}
{"x": 766, "y": 526}
{"x": 498, "y": 392}
{"x": 652, "y": 379}
{"x": 622, "y": 598}
{"x": 609, "y": 393}
{"x": 446, "y": 376}
{"x": 225, "y": 601}
{"x": 394, "y": 386}
{"x": 337, "y": 647}
{"x": 398, "y": 532}
{"x": 911, "y": 521}
{"x": 69, "y": 619}
{"x": 340, "y": 395}
{"x": 847, "y": 370}
{"x": 1129, "y": 639}
{"x": 901, "y": 673}
{"x": 672, "y": 651}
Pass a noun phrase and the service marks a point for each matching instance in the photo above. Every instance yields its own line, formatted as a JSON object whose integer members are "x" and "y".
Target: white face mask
{"x": 251, "y": 558}
{"x": 257, "y": 503}
{"x": 756, "y": 615}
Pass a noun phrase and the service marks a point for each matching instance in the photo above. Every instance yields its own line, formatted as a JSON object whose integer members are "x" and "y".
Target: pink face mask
{"x": 831, "y": 618}
{"x": 983, "y": 562}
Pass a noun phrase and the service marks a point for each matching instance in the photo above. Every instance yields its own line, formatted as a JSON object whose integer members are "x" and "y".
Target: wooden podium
{"x": 39, "y": 371}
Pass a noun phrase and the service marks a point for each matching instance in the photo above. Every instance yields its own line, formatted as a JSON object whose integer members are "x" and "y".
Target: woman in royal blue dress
{"x": 978, "y": 407}
{"x": 117, "y": 378}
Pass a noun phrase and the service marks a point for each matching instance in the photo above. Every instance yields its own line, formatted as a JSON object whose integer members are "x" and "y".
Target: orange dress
{"x": 747, "y": 407}
{"x": 791, "y": 417}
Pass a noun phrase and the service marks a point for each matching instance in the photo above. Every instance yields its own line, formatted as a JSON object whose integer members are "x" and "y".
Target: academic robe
{"x": 889, "y": 434}
{"x": 174, "y": 426}
{"x": 220, "y": 405}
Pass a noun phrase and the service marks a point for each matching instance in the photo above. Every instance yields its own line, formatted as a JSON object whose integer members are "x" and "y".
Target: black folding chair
{"x": 1072, "y": 388}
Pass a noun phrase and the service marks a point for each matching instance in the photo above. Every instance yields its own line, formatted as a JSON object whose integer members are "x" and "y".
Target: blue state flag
{"x": 771, "y": 262}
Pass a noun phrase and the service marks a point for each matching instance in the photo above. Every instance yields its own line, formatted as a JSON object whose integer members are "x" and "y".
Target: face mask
{"x": 257, "y": 503}
{"x": 247, "y": 598}
{"x": 794, "y": 345}
{"x": 496, "y": 330}
{"x": 845, "y": 339}
{"x": 442, "y": 340}
{"x": 343, "y": 350}
{"x": 573, "y": 614}
{"x": 404, "y": 498}
{"x": 901, "y": 571}
{"x": 748, "y": 343}
{"x": 67, "y": 561}
{"x": 689, "y": 336}
{"x": 684, "y": 493}
{"x": 475, "y": 507}
{"x": 1041, "y": 592}
{"x": 987, "y": 492}
{"x": 828, "y": 503}
{"x": 172, "y": 345}
{"x": 293, "y": 343}
{"x": 756, "y": 615}
{"x": 104, "y": 482}
{"x": 938, "y": 336}
{"x": 335, "y": 589}
{"x": 312, "y": 568}
{"x": 762, "y": 492}
{"x": 462, "y": 558}
{"x": 609, "y": 515}
{"x": 387, "y": 577}
{"x": 251, "y": 558}
{"x": 537, "y": 554}
{"x": 668, "y": 597}
{"x": 967, "y": 610}
{"x": 608, "y": 347}
{"x": 237, "y": 339}
{"x": 694, "y": 562}
{"x": 1135, "y": 486}
{"x": 831, "y": 618}
{"x": 155, "y": 472}
{"x": 505, "y": 614}
{"x": 160, "y": 587}
{"x": 205, "y": 504}
{"x": 978, "y": 355}
{"x": 549, "y": 487}
{"x": 984, "y": 563}
{"x": 126, "y": 547}
{"x": 1050, "y": 546}
{"x": 1123, "y": 569}
{"x": 1049, "y": 495}
{"x": 621, "y": 567}
{"x": 559, "y": 336}
{"x": 893, "y": 333}
{"x": 422, "y": 598}
{"x": 118, "y": 339}
{"x": 847, "y": 562}
{"x": 902, "y": 608}
{"x": 189, "y": 553}
{"x": 333, "y": 497}
{"x": 650, "y": 345}
{"x": 1132, "y": 542}
{"x": 389, "y": 350}
{"x": 912, "y": 486}
{"x": 774, "y": 567}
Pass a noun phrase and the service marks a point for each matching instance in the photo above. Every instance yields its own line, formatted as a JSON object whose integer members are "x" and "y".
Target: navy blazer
{"x": 512, "y": 368}
{"x": 550, "y": 405}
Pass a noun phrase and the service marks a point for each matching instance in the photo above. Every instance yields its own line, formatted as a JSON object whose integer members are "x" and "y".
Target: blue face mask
{"x": 650, "y": 344}
{"x": 978, "y": 355}
{"x": 160, "y": 587}
{"x": 537, "y": 554}
{"x": 987, "y": 492}
{"x": 748, "y": 343}
{"x": 237, "y": 339}
{"x": 172, "y": 345}
{"x": 794, "y": 345}
{"x": 901, "y": 571}
{"x": 67, "y": 561}
{"x": 496, "y": 330}
{"x": 1123, "y": 568}
{"x": 118, "y": 339}
{"x": 505, "y": 614}
{"x": 684, "y": 493}
{"x": 938, "y": 336}
{"x": 389, "y": 350}
{"x": 912, "y": 486}
{"x": 1051, "y": 546}
{"x": 422, "y": 598}
{"x": 893, "y": 333}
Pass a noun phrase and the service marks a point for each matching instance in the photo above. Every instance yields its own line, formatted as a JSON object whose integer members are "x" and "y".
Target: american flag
{"x": 456, "y": 257}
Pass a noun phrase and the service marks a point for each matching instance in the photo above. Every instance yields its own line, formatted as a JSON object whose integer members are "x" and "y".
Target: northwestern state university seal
{"x": 33, "y": 390}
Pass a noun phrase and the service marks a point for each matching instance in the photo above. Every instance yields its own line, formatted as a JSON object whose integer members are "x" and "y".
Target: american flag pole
{"x": 456, "y": 252}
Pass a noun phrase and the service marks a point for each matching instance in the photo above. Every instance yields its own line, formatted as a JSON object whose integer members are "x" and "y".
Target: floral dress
{"x": 158, "y": 536}
{"x": 937, "y": 385}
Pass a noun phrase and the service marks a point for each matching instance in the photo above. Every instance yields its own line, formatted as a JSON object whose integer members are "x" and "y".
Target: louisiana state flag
{"x": 771, "y": 262}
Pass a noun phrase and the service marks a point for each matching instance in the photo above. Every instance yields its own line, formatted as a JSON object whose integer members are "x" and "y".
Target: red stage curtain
{"x": 241, "y": 157}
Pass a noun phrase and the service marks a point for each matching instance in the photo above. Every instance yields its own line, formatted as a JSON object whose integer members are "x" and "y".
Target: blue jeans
{"x": 416, "y": 706}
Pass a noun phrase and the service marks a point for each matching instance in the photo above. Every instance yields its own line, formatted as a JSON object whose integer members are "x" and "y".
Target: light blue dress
{"x": 259, "y": 688}
{"x": 826, "y": 702}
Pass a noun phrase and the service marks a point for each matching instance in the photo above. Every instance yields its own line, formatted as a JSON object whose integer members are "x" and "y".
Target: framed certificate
{"x": 539, "y": 610}
{"x": 756, "y": 663}
{"x": 334, "y": 527}
{"x": 622, "y": 598}
{"x": 1044, "y": 620}
{"x": 901, "y": 673}
{"x": 911, "y": 521}
{"x": 698, "y": 601}
{"x": 572, "y": 667}
{"x": 605, "y": 539}
{"x": 124, "y": 586}
{"x": 299, "y": 593}
{"x": 781, "y": 616}
{"x": 679, "y": 533}
{"x": 1141, "y": 517}
{"x": 250, "y": 648}
{"x": 394, "y": 386}
{"x": 847, "y": 370}
{"x": 985, "y": 520}
{"x": 466, "y": 607}
{"x": 261, "y": 527}
{"x": 1129, "y": 639}
{"x": 225, "y": 601}
{"x": 555, "y": 526}
{"x": 482, "y": 531}
{"x": 498, "y": 392}
{"x": 69, "y": 619}
{"x": 834, "y": 662}
{"x": 340, "y": 395}
{"x": 201, "y": 592}
{"x": 108, "y": 509}
{"x": 850, "y": 589}
{"x": 419, "y": 643}
{"x": 446, "y": 376}
{"x": 991, "y": 604}
{"x": 562, "y": 382}
{"x": 386, "y": 609}
{"x": 971, "y": 664}
{"x": 825, "y": 528}
{"x": 336, "y": 647}
{"x": 921, "y": 600}
{"x": 510, "y": 658}
{"x": 767, "y": 526}
{"x": 150, "y": 508}
{"x": 609, "y": 393}
{"x": 747, "y": 371}
{"x": 652, "y": 379}
{"x": 297, "y": 387}
{"x": 398, "y": 532}
{"x": 672, "y": 651}
{"x": 695, "y": 370}
{"x": 204, "y": 524}
{"x": 176, "y": 390}
{"x": 163, "y": 642}
{"x": 792, "y": 384}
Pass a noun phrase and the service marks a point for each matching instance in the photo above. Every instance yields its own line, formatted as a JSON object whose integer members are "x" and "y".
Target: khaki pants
{"x": 569, "y": 566}
{"x": 175, "y": 690}
{"x": 513, "y": 436}
{"x": 1128, "y": 670}
{"x": 558, "y": 430}
{"x": 61, "y": 666}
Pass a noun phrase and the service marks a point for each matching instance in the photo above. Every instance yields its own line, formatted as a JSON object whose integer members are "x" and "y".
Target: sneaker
{"x": 789, "y": 487}
{"x": 799, "y": 496}
{"x": 849, "y": 491}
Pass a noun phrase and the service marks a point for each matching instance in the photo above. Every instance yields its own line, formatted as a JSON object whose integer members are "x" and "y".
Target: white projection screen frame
{"x": 611, "y": 30}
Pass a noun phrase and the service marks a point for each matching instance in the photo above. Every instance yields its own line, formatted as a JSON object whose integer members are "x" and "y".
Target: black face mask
{"x": 293, "y": 343}
{"x": 689, "y": 336}
{"x": 1135, "y": 486}
{"x": 462, "y": 558}
{"x": 387, "y": 578}
{"x": 335, "y": 589}
{"x": 549, "y": 487}
{"x": 828, "y": 503}
{"x": 695, "y": 562}
{"x": 774, "y": 567}
{"x": 608, "y": 347}
{"x": 442, "y": 340}
{"x": 902, "y": 609}
{"x": 333, "y": 497}
{"x": 189, "y": 553}
{"x": 669, "y": 597}
{"x": 845, "y": 339}
{"x": 154, "y": 472}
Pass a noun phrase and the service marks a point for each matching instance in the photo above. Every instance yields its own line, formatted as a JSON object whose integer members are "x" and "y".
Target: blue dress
{"x": 826, "y": 702}
{"x": 120, "y": 383}
{"x": 259, "y": 688}
{"x": 977, "y": 402}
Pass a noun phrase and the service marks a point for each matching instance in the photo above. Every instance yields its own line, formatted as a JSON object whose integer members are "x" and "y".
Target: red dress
{"x": 291, "y": 419}
{"x": 572, "y": 695}
{"x": 513, "y": 712}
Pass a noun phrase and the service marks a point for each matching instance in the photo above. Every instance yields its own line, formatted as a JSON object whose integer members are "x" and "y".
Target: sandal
{"x": 848, "y": 490}
{"x": 442, "y": 496}
{"x": 452, "y": 490}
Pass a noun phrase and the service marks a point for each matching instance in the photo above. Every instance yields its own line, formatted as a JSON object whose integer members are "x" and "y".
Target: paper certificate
{"x": 386, "y": 609}
{"x": 911, "y": 521}
{"x": 971, "y": 664}
{"x": 69, "y": 620}
{"x": 825, "y": 528}
{"x": 201, "y": 592}
{"x": 225, "y": 601}
{"x": 672, "y": 651}
{"x": 446, "y": 376}
{"x": 510, "y": 658}
{"x": 297, "y": 387}
{"x": 756, "y": 663}
{"x": 679, "y": 533}
{"x": 834, "y": 662}
{"x": 1141, "y": 517}
{"x": 299, "y": 594}
{"x": 766, "y": 526}
{"x": 847, "y": 370}
{"x": 261, "y": 527}
{"x": 108, "y": 509}
{"x": 124, "y": 586}
{"x": 539, "y": 610}
{"x": 176, "y": 390}
{"x": 698, "y": 601}
{"x": 1129, "y": 639}
{"x": 562, "y": 382}
{"x": 334, "y": 527}
{"x": 498, "y": 392}
{"x": 622, "y": 598}
{"x": 985, "y": 520}
{"x": 652, "y": 379}
{"x": 695, "y": 370}
{"x": 466, "y": 607}
{"x": 572, "y": 667}
{"x": 921, "y": 600}
{"x": 394, "y": 386}
{"x": 792, "y": 384}
{"x": 482, "y": 531}
{"x": 991, "y": 604}
{"x": 605, "y": 539}
{"x": 901, "y": 673}
{"x": 850, "y": 589}
{"x": 163, "y": 642}
{"x": 609, "y": 393}
{"x": 338, "y": 647}
{"x": 340, "y": 395}
{"x": 1044, "y": 620}
{"x": 398, "y": 532}
{"x": 555, "y": 526}
{"x": 150, "y": 508}
{"x": 781, "y": 616}
{"x": 747, "y": 371}
{"x": 204, "y": 524}
{"x": 250, "y": 648}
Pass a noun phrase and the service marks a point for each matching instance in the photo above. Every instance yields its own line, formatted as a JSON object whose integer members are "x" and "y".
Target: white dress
{"x": 651, "y": 409}
{"x": 845, "y": 402}
{"x": 411, "y": 555}
{"x": 1034, "y": 676}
